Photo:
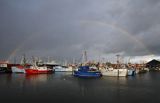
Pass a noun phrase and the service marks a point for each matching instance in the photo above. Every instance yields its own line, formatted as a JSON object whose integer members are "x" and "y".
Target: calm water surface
{"x": 64, "y": 88}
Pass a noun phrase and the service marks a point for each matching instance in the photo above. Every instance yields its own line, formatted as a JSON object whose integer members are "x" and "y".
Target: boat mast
{"x": 84, "y": 57}
{"x": 118, "y": 62}
{"x": 23, "y": 60}
{"x": 34, "y": 61}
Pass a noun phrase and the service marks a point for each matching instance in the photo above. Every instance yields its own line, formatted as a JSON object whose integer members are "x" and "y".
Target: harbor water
{"x": 64, "y": 88}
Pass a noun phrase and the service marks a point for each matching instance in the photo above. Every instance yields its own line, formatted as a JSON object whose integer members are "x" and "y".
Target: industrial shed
{"x": 153, "y": 64}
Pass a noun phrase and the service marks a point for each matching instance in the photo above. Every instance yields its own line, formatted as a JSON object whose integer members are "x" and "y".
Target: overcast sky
{"x": 62, "y": 29}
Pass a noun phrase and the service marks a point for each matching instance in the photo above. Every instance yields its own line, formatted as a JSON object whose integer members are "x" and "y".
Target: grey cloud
{"x": 64, "y": 28}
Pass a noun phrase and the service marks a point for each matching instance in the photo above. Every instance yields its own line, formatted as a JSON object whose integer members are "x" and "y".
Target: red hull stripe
{"x": 31, "y": 71}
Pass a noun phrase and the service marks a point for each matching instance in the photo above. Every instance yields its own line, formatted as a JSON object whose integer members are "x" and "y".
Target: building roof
{"x": 153, "y": 62}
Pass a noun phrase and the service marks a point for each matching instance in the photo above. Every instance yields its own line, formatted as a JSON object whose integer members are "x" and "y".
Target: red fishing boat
{"x": 38, "y": 70}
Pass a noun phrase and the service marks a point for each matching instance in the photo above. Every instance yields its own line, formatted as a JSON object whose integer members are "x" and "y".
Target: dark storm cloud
{"x": 64, "y": 28}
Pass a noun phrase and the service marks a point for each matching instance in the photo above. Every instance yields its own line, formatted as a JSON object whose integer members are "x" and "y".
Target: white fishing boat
{"x": 119, "y": 71}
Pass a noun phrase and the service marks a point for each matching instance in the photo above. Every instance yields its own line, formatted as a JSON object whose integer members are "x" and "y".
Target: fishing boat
{"x": 38, "y": 69}
{"x": 86, "y": 71}
{"x": 120, "y": 70}
{"x": 62, "y": 69}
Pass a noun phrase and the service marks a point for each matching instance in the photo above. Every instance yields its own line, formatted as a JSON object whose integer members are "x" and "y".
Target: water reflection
{"x": 62, "y": 74}
{"x": 88, "y": 88}
{"x": 37, "y": 78}
{"x": 63, "y": 85}
{"x": 21, "y": 78}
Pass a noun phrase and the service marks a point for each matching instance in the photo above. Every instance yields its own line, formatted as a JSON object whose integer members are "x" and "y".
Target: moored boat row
{"x": 77, "y": 71}
{"x": 84, "y": 69}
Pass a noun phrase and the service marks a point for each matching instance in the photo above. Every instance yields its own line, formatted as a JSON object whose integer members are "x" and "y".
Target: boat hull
{"x": 87, "y": 74}
{"x": 3, "y": 70}
{"x": 18, "y": 70}
{"x": 114, "y": 72}
{"x": 62, "y": 70}
{"x": 36, "y": 71}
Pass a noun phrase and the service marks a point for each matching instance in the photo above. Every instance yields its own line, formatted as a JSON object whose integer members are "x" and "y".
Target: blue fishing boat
{"x": 87, "y": 72}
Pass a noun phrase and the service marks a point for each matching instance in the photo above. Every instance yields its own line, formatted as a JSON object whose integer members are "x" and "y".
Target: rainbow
{"x": 21, "y": 45}
{"x": 118, "y": 28}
